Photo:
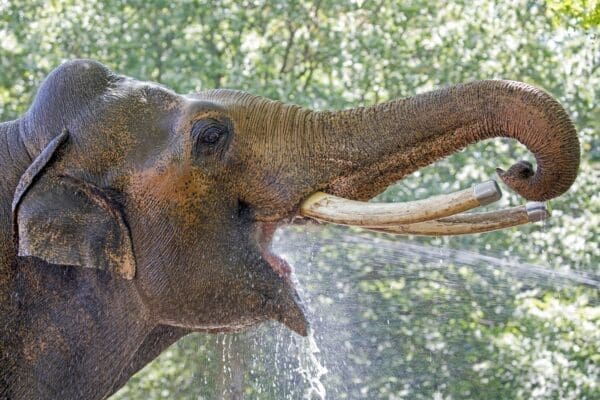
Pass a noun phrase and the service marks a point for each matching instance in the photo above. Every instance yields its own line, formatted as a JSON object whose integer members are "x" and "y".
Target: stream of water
{"x": 395, "y": 319}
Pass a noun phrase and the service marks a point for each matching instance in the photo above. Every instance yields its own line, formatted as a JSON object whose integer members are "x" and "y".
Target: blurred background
{"x": 513, "y": 314}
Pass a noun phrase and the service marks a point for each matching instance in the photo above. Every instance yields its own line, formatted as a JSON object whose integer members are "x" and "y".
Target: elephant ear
{"x": 64, "y": 220}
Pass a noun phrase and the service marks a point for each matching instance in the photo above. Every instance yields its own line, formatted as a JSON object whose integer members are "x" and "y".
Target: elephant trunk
{"x": 370, "y": 148}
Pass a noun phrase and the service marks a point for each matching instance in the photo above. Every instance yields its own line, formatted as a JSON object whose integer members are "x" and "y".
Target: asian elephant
{"x": 169, "y": 203}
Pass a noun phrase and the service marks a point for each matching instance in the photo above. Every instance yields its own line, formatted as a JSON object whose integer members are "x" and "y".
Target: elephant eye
{"x": 209, "y": 132}
{"x": 210, "y": 136}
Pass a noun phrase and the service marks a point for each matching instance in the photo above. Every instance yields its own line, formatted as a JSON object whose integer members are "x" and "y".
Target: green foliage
{"x": 453, "y": 330}
{"x": 582, "y": 12}
{"x": 551, "y": 346}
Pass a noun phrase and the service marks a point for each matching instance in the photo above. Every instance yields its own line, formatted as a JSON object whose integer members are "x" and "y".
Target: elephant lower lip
{"x": 286, "y": 306}
{"x": 265, "y": 233}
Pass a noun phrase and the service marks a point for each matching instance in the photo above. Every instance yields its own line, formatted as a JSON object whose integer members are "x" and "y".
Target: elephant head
{"x": 181, "y": 194}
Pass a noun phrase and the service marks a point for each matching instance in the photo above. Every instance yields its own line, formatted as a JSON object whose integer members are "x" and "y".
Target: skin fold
{"x": 132, "y": 215}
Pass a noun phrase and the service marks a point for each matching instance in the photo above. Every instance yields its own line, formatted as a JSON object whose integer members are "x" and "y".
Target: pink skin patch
{"x": 265, "y": 233}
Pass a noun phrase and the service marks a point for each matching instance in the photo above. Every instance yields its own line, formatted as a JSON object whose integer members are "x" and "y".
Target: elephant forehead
{"x": 194, "y": 106}
{"x": 150, "y": 94}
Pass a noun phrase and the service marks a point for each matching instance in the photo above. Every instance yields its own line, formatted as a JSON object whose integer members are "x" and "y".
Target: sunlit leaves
{"x": 584, "y": 13}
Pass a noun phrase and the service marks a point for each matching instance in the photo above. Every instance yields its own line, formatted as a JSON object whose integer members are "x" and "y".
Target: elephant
{"x": 132, "y": 215}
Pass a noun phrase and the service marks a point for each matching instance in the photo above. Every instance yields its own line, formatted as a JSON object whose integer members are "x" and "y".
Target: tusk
{"x": 461, "y": 224}
{"x": 329, "y": 208}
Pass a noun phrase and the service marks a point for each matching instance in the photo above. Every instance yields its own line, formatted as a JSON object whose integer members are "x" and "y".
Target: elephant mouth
{"x": 287, "y": 307}
{"x": 265, "y": 233}
{"x": 439, "y": 215}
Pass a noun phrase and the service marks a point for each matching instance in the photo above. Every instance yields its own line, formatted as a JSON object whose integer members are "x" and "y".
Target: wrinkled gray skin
{"x": 131, "y": 215}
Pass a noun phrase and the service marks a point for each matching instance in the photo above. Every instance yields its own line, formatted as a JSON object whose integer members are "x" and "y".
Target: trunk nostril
{"x": 521, "y": 169}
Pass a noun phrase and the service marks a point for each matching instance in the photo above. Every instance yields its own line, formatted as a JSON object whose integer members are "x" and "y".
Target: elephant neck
{"x": 14, "y": 160}
{"x": 78, "y": 332}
